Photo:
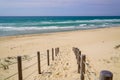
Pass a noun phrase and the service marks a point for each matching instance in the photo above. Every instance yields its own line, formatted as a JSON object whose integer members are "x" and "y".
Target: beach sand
{"x": 101, "y": 46}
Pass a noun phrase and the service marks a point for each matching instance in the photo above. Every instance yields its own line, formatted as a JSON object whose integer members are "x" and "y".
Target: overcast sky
{"x": 59, "y": 7}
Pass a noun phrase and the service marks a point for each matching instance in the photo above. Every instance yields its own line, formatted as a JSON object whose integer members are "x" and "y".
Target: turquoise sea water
{"x": 36, "y": 24}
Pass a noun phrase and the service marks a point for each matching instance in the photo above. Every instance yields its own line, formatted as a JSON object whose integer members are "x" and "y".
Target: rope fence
{"x": 39, "y": 61}
{"x": 84, "y": 68}
{"x": 86, "y": 71}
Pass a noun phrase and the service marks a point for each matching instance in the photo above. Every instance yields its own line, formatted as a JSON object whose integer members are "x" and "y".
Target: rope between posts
{"x": 29, "y": 66}
{"x": 43, "y": 54}
{"x": 11, "y": 76}
{"x": 88, "y": 70}
{"x": 43, "y": 59}
{"x": 33, "y": 57}
{"x": 92, "y": 63}
{"x": 29, "y": 58}
{"x": 17, "y": 62}
{"x": 30, "y": 74}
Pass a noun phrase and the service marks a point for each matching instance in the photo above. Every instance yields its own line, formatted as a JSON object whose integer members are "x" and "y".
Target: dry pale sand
{"x": 99, "y": 45}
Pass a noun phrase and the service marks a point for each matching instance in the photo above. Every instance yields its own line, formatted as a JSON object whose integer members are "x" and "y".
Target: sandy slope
{"x": 98, "y": 45}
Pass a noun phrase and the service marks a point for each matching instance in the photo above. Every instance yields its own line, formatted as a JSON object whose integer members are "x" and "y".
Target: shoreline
{"x": 52, "y": 33}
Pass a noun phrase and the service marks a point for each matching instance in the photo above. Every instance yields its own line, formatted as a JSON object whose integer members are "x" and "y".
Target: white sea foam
{"x": 88, "y": 21}
{"x": 100, "y": 20}
{"x": 33, "y": 28}
{"x": 83, "y": 21}
{"x": 36, "y": 28}
{"x": 83, "y": 25}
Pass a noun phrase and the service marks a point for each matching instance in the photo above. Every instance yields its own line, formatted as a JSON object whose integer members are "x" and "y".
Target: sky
{"x": 59, "y": 7}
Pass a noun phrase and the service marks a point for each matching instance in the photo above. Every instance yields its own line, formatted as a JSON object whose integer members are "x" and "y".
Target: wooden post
{"x": 58, "y": 50}
{"x": 77, "y": 56}
{"x": 48, "y": 59}
{"x": 83, "y": 59}
{"x": 52, "y": 54}
{"x": 39, "y": 63}
{"x": 106, "y": 75}
{"x": 76, "y": 53}
{"x": 20, "y": 76}
{"x": 79, "y": 64}
{"x": 79, "y": 60}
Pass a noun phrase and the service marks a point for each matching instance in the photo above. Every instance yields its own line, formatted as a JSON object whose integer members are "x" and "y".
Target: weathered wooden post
{"x": 48, "y": 59}
{"x": 20, "y": 76}
{"x": 76, "y": 54}
{"x": 79, "y": 64}
{"x": 39, "y": 63}
{"x": 83, "y": 59}
{"x": 106, "y": 75}
{"x": 79, "y": 60}
{"x": 52, "y": 54}
{"x": 57, "y": 50}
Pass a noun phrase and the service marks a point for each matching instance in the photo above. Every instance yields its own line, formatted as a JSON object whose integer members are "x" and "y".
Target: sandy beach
{"x": 101, "y": 46}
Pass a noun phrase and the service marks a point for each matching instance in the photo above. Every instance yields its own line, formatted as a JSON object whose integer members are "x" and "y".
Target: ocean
{"x": 20, "y": 25}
